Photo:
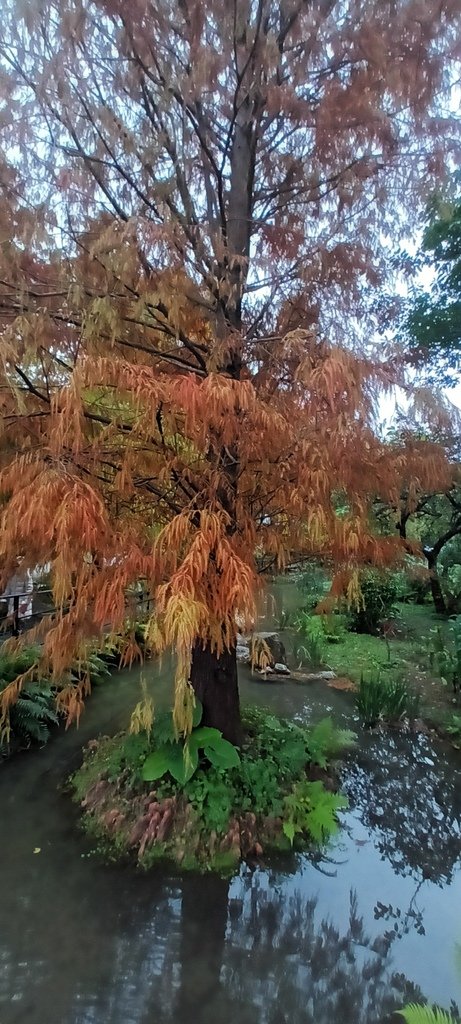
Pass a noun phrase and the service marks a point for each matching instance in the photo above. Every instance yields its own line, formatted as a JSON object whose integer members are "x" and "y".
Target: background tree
{"x": 201, "y": 198}
{"x": 435, "y": 519}
{"x": 433, "y": 325}
{"x": 427, "y": 515}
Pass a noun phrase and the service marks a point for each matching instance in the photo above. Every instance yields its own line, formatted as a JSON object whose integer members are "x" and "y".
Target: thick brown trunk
{"x": 215, "y": 683}
{"x": 436, "y": 589}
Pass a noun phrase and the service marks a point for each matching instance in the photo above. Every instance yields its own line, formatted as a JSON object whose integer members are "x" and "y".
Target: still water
{"x": 345, "y": 940}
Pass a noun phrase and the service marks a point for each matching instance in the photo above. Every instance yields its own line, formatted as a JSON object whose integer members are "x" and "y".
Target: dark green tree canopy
{"x": 434, "y": 321}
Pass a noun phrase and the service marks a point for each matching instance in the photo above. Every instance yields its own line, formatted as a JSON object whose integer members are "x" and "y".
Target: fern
{"x": 33, "y": 714}
{"x": 326, "y": 741}
{"x": 416, "y": 1014}
{"x": 312, "y": 809}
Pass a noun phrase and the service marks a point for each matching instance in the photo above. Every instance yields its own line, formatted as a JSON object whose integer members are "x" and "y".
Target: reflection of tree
{"x": 124, "y": 950}
{"x": 411, "y": 798}
{"x": 292, "y": 968}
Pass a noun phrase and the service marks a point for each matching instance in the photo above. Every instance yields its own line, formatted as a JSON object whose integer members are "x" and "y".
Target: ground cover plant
{"x": 202, "y": 803}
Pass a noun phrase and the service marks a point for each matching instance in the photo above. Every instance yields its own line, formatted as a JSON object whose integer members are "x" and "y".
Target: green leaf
{"x": 222, "y": 754}
{"x": 321, "y": 820}
{"x": 289, "y": 830}
{"x": 205, "y": 736}
{"x": 163, "y": 728}
{"x": 156, "y": 764}
{"x": 197, "y": 713}
{"x": 416, "y": 1014}
{"x": 189, "y": 763}
{"x": 180, "y": 761}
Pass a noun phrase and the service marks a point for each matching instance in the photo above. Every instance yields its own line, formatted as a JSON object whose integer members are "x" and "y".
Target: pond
{"x": 347, "y": 938}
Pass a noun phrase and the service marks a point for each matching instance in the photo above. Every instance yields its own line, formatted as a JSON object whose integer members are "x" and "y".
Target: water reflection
{"x": 346, "y": 940}
{"x": 259, "y": 949}
{"x": 303, "y": 967}
{"x": 408, "y": 793}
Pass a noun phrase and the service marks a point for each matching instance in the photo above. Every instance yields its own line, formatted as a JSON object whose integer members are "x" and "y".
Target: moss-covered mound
{"x": 203, "y": 805}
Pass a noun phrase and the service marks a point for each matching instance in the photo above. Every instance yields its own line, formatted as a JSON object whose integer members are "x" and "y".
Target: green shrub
{"x": 334, "y": 627}
{"x": 312, "y": 645}
{"x": 445, "y": 653}
{"x": 180, "y": 759}
{"x": 412, "y": 583}
{"x": 30, "y": 717}
{"x": 379, "y": 592}
{"x": 453, "y": 727}
{"x": 13, "y": 664}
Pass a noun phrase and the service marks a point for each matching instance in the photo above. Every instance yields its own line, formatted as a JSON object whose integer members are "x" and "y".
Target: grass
{"x": 405, "y": 655}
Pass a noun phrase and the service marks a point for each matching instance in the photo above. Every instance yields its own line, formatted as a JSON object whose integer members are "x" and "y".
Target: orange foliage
{"x": 180, "y": 404}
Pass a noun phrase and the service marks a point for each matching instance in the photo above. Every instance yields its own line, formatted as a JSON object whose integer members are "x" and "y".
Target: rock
{"x": 343, "y": 683}
{"x": 243, "y": 654}
{"x": 275, "y": 646}
{"x": 419, "y": 726}
{"x": 282, "y": 669}
{"x": 313, "y": 677}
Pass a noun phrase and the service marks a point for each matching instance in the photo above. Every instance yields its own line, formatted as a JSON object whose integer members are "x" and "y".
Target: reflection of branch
{"x": 412, "y": 914}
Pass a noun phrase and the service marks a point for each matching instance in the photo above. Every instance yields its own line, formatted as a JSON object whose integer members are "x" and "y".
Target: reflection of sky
{"x": 428, "y": 960}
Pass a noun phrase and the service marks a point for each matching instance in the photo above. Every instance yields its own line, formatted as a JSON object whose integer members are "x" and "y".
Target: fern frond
{"x": 417, "y": 1014}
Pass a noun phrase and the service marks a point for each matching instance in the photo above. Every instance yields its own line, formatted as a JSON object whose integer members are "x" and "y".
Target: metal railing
{"x": 13, "y": 623}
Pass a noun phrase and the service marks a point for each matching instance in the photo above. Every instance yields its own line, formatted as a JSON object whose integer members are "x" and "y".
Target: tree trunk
{"x": 436, "y": 589}
{"x": 215, "y": 683}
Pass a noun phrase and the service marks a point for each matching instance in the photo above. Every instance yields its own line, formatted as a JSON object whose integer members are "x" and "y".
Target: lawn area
{"x": 405, "y": 654}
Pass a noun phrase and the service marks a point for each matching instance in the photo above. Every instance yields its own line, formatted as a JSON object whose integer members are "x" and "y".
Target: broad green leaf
{"x": 182, "y": 765}
{"x": 205, "y": 736}
{"x": 156, "y": 764}
{"x": 197, "y": 713}
{"x": 180, "y": 761}
{"x": 223, "y": 754}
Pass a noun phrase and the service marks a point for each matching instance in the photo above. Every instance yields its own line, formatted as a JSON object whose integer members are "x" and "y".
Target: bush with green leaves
{"x": 412, "y": 583}
{"x": 387, "y": 700}
{"x": 312, "y": 809}
{"x": 311, "y": 647}
{"x": 445, "y": 653}
{"x": 33, "y": 714}
{"x": 216, "y": 787}
{"x": 379, "y": 593}
{"x": 179, "y": 758}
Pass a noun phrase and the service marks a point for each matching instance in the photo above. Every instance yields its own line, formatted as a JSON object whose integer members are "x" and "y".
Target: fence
{"x": 13, "y": 621}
